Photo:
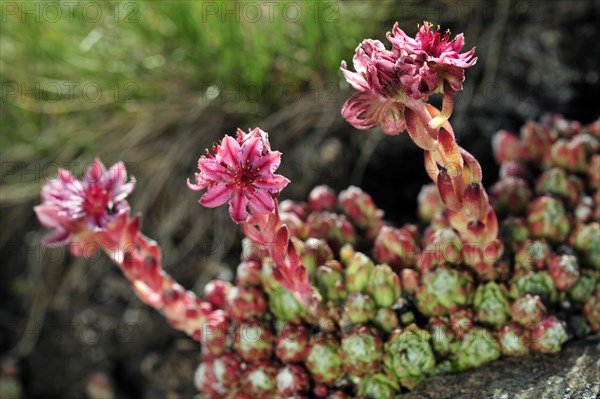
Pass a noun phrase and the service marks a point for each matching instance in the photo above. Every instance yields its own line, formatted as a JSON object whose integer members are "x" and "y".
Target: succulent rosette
{"x": 378, "y": 386}
{"x": 292, "y": 344}
{"x": 564, "y": 270}
{"x": 253, "y": 341}
{"x": 510, "y": 195}
{"x": 528, "y": 310}
{"x": 245, "y": 303}
{"x": 358, "y": 272}
{"x": 549, "y": 335}
{"x": 491, "y": 305}
{"x": 429, "y": 203}
{"x": 396, "y": 247}
{"x": 323, "y": 361}
{"x": 534, "y": 283}
{"x": 292, "y": 380}
{"x": 443, "y": 291}
{"x": 359, "y": 308}
{"x": 476, "y": 348}
{"x": 384, "y": 286}
{"x": 548, "y": 219}
{"x": 408, "y": 355}
{"x": 259, "y": 380}
{"x": 514, "y": 339}
{"x": 284, "y": 305}
{"x": 360, "y": 351}
{"x": 218, "y": 376}
{"x": 386, "y": 319}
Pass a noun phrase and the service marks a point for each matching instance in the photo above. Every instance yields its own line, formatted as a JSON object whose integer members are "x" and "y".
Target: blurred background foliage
{"x": 153, "y": 83}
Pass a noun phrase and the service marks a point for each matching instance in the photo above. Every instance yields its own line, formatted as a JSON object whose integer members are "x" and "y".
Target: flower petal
{"x": 260, "y": 201}
{"x": 237, "y": 207}
{"x": 216, "y": 195}
{"x": 272, "y": 182}
{"x": 229, "y": 151}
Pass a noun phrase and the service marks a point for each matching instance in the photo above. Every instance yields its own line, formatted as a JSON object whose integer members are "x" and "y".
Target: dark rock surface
{"x": 572, "y": 374}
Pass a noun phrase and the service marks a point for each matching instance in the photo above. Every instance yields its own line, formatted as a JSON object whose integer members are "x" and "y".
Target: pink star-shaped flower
{"x": 77, "y": 210}
{"x": 240, "y": 172}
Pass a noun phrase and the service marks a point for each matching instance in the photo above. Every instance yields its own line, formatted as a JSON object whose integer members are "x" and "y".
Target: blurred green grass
{"x": 68, "y": 74}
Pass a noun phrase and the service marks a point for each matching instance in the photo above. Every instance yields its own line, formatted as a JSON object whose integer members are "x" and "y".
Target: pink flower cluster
{"x": 80, "y": 212}
{"x": 390, "y": 80}
{"x": 240, "y": 171}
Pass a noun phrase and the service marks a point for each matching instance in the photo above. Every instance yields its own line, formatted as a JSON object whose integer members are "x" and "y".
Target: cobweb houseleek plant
{"x": 332, "y": 301}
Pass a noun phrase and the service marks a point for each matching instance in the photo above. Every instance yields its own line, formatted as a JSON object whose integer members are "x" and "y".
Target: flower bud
{"x": 292, "y": 380}
{"x": 359, "y": 207}
{"x": 565, "y": 155}
{"x": 259, "y": 379}
{"x": 476, "y": 348}
{"x": 300, "y": 209}
{"x": 549, "y": 335}
{"x": 322, "y": 198}
{"x": 384, "y": 286}
{"x": 285, "y": 307}
{"x": 534, "y": 283}
{"x": 556, "y": 182}
{"x": 441, "y": 247}
{"x": 334, "y": 228}
{"x": 324, "y": 362}
{"x": 386, "y": 319}
{"x": 513, "y": 340}
{"x": 253, "y": 341}
{"x": 491, "y": 305}
{"x": 359, "y": 308}
{"x": 248, "y": 274}
{"x": 514, "y": 169}
{"x": 507, "y": 147}
{"x": 330, "y": 281}
{"x": 378, "y": 386}
{"x": 547, "y": 218}
{"x": 429, "y": 203}
{"x": 528, "y": 310}
{"x": 215, "y": 292}
{"x": 219, "y": 375}
{"x": 408, "y": 355}
{"x": 591, "y": 310}
{"x": 510, "y": 195}
{"x": 396, "y": 247}
{"x": 564, "y": 271}
{"x": 292, "y": 344}
{"x": 536, "y": 141}
{"x": 444, "y": 291}
{"x": 361, "y": 352}
{"x": 243, "y": 303}
{"x": 315, "y": 253}
{"x": 358, "y": 272}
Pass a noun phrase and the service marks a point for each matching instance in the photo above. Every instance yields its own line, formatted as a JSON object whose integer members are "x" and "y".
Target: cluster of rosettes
{"x": 399, "y": 304}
